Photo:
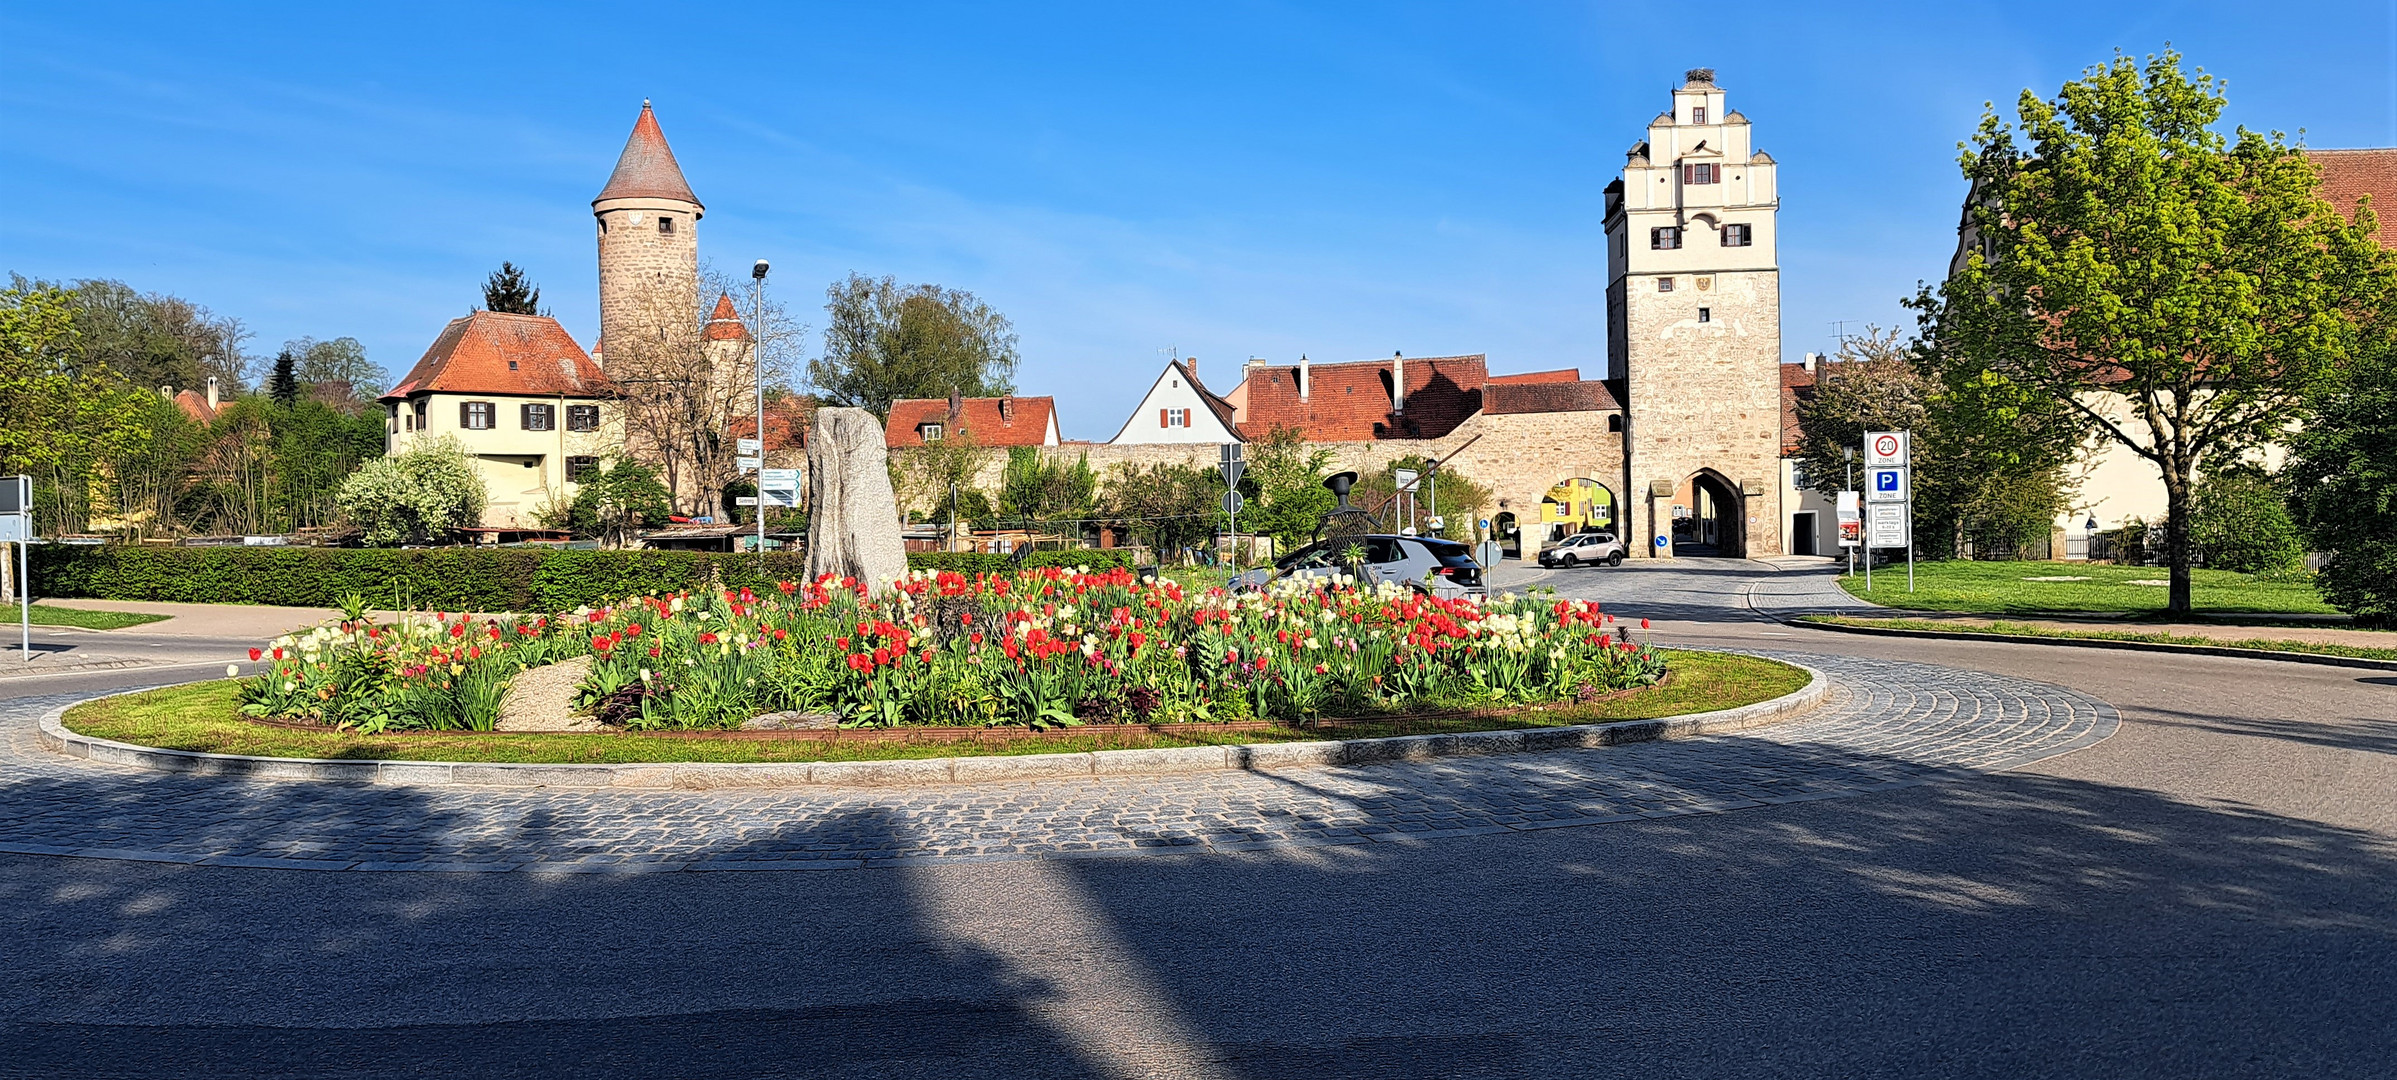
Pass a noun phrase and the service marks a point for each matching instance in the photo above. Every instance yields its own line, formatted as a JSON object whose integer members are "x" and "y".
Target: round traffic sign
{"x": 1886, "y": 446}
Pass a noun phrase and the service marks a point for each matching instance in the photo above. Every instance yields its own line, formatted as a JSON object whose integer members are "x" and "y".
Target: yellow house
{"x": 524, "y": 399}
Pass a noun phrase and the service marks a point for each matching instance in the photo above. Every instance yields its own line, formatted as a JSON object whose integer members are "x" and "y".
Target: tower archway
{"x": 1709, "y": 517}
{"x": 1573, "y": 505}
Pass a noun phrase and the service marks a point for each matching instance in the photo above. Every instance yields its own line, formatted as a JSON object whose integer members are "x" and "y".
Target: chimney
{"x": 956, "y": 407}
{"x": 1306, "y": 377}
{"x": 1191, "y": 362}
{"x": 1007, "y": 409}
{"x": 212, "y": 392}
{"x": 1398, "y": 382}
{"x": 1811, "y": 360}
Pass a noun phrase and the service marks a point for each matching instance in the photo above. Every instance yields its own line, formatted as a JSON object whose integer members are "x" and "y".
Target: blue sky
{"x": 1232, "y": 180}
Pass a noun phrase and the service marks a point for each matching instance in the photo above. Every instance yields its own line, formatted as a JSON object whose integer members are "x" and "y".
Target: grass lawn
{"x": 201, "y": 717}
{"x": 2012, "y": 587}
{"x": 2000, "y": 626}
{"x": 45, "y": 615}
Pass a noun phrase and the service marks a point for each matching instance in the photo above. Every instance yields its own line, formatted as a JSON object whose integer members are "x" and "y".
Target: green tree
{"x": 419, "y": 497}
{"x": 509, "y": 292}
{"x": 2239, "y": 522}
{"x": 284, "y": 384}
{"x": 338, "y": 371}
{"x": 884, "y": 341}
{"x": 1461, "y": 498}
{"x": 1037, "y": 488}
{"x": 2181, "y": 291}
{"x": 1284, "y": 487}
{"x": 1175, "y": 506}
{"x": 938, "y": 480}
{"x": 615, "y": 505}
{"x": 2343, "y": 481}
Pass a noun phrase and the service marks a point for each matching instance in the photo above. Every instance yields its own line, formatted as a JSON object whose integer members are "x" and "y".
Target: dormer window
{"x": 666, "y": 224}
{"x": 931, "y": 432}
{"x": 1697, "y": 114}
{"x": 1704, "y": 172}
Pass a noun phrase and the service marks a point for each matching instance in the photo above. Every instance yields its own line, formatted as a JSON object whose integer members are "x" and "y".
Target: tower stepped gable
{"x": 1694, "y": 324}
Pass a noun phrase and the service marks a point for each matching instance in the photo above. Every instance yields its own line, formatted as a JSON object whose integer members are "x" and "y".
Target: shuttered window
{"x": 475, "y": 415}
{"x": 540, "y": 417}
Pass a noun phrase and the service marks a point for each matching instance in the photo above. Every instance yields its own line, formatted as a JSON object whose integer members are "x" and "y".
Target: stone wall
{"x": 1518, "y": 457}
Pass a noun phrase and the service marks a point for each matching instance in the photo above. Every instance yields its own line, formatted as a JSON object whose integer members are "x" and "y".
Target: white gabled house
{"x": 1179, "y": 409}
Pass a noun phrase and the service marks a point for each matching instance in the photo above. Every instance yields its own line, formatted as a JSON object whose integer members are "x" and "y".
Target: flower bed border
{"x": 928, "y": 735}
{"x": 54, "y": 736}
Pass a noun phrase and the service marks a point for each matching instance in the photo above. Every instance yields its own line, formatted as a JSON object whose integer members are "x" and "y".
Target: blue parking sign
{"x": 1885, "y": 485}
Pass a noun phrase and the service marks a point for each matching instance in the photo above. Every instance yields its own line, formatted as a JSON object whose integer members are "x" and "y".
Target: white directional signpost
{"x": 1888, "y": 498}
{"x": 16, "y": 527}
{"x": 779, "y": 487}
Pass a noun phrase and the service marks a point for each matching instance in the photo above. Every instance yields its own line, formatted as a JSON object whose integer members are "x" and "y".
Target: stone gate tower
{"x": 648, "y": 244}
{"x": 1694, "y": 331}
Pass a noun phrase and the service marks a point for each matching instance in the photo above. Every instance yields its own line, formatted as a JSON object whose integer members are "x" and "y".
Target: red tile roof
{"x": 195, "y": 405}
{"x": 2348, "y": 175}
{"x": 1024, "y": 421}
{"x": 1350, "y": 402}
{"x": 493, "y": 353}
{"x": 787, "y": 419}
{"x": 1547, "y": 396}
{"x": 1224, "y": 410}
{"x": 646, "y": 169}
{"x": 1560, "y": 375}
{"x": 724, "y": 323}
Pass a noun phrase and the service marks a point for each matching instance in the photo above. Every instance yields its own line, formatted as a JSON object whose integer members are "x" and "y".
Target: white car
{"x": 1439, "y": 566}
{"x": 1595, "y": 549}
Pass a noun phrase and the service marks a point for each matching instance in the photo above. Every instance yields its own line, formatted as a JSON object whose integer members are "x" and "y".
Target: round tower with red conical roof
{"x": 648, "y": 243}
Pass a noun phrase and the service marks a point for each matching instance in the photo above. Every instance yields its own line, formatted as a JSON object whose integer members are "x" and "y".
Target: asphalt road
{"x": 2210, "y": 892}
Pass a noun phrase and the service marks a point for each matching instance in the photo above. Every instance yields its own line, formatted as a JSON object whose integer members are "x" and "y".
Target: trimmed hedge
{"x": 444, "y": 579}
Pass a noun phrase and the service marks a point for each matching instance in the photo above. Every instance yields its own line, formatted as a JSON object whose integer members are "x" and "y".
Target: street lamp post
{"x": 757, "y": 364}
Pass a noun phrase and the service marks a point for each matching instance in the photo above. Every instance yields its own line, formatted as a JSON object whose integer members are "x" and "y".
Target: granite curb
{"x": 921, "y": 772}
{"x": 2094, "y": 643}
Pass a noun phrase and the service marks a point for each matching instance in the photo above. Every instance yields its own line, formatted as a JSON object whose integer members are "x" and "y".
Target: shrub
{"x": 420, "y": 496}
{"x": 442, "y": 579}
{"x": 2240, "y": 523}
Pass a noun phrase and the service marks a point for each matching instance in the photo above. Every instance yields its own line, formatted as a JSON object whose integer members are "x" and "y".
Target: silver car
{"x": 1592, "y": 549}
{"x": 1442, "y": 567}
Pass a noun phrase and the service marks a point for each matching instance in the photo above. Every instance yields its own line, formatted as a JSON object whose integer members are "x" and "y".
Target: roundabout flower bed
{"x": 1043, "y": 649}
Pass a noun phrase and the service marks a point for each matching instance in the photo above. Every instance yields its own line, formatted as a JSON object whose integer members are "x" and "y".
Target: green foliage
{"x": 615, "y": 505}
{"x": 446, "y": 579}
{"x": 509, "y": 292}
{"x": 1460, "y": 497}
{"x": 152, "y": 340}
{"x": 2343, "y": 483}
{"x": 884, "y": 341}
{"x": 1988, "y": 457}
{"x": 1174, "y": 506}
{"x": 1284, "y": 486}
{"x": 2180, "y": 290}
{"x": 2239, "y": 522}
{"x": 418, "y": 497}
{"x": 933, "y": 480}
{"x": 1037, "y": 487}
{"x": 338, "y": 370}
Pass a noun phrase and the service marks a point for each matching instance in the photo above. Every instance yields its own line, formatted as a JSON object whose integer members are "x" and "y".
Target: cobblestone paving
{"x": 1886, "y": 725}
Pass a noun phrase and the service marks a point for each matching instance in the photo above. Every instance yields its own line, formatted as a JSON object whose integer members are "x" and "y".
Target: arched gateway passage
{"x": 1574, "y": 505}
{"x": 1707, "y": 517}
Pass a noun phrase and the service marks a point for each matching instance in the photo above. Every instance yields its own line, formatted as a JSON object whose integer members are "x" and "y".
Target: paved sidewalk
{"x": 256, "y": 622}
{"x": 1887, "y": 725}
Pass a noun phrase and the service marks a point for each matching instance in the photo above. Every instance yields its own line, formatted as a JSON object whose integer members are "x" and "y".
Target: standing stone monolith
{"x": 853, "y": 519}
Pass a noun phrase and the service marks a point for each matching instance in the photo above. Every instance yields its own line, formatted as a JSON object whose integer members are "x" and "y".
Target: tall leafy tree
{"x": 1284, "y": 486}
{"x": 2343, "y": 480}
{"x": 1175, "y": 506}
{"x": 884, "y": 341}
{"x": 509, "y": 292}
{"x": 1037, "y": 488}
{"x": 2180, "y": 290}
{"x": 337, "y": 371}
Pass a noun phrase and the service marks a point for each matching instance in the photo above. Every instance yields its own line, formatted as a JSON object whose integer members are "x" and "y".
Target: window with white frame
{"x": 1736, "y": 235}
{"x": 1173, "y": 418}
{"x": 1664, "y": 238}
{"x": 476, "y": 415}
{"x": 539, "y": 417}
{"x": 1703, "y": 172}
